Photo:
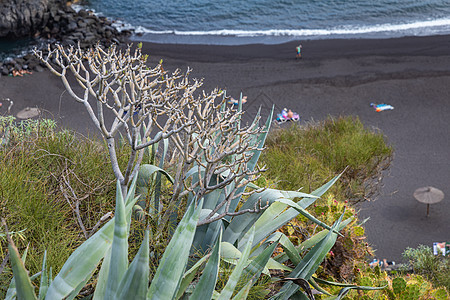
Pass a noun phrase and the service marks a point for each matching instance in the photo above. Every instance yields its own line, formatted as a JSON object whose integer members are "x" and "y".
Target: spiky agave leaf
{"x": 309, "y": 243}
{"x": 134, "y": 284}
{"x": 189, "y": 275}
{"x": 309, "y": 264}
{"x": 173, "y": 263}
{"x": 44, "y": 278}
{"x": 345, "y": 288}
{"x": 119, "y": 247}
{"x": 228, "y": 290}
{"x": 23, "y": 286}
{"x": 205, "y": 287}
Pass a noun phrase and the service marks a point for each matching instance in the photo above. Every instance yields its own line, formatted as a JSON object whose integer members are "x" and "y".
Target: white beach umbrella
{"x": 428, "y": 195}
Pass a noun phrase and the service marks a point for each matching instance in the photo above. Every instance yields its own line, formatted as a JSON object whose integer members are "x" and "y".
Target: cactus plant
{"x": 398, "y": 285}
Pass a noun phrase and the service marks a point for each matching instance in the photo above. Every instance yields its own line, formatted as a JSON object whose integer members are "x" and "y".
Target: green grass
{"x": 308, "y": 156}
{"x": 37, "y": 167}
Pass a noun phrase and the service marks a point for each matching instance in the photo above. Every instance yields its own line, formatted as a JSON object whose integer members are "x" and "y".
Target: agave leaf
{"x": 266, "y": 224}
{"x": 194, "y": 171}
{"x": 212, "y": 199}
{"x": 273, "y": 220}
{"x": 80, "y": 286}
{"x": 228, "y": 290}
{"x": 319, "y": 192}
{"x": 44, "y": 278}
{"x": 173, "y": 263}
{"x": 304, "y": 285}
{"x": 343, "y": 292}
{"x": 274, "y": 265}
{"x": 309, "y": 264}
{"x": 256, "y": 266}
{"x": 134, "y": 284}
{"x": 89, "y": 253}
{"x": 119, "y": 248}
{"x": 318, "y": 287}
{"x": 207, "y": 234}
{"x": 289, "y": 249}
{"x": 260, "y": 141}
{"x": 240, "y": 108}
{"x": 100, "y": 288}
{"x": 23, "y": 286}
{"x": 333, "y": 283}
{"x": 207, "y": 282}
{"x": 146, "y": 171}
{"x": 240, "y": 224}
{"x": 346, "y": 287}
{"x": 190, "y": 275}
{"x": 157, "y": 192}
{"x": 243, "y": 293}
{"x": 230, "y": 253}
{"x": 11, "y": 292}
{"x": 304, "y": 213}
{"x": 312, "y": 241}
{"x": 253, "y": 160}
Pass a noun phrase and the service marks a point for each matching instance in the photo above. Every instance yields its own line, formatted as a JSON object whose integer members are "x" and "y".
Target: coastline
{"x": 335, "y": 77}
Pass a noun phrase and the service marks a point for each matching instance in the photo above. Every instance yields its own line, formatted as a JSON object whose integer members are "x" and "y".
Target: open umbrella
{"x": 428, "y": 195}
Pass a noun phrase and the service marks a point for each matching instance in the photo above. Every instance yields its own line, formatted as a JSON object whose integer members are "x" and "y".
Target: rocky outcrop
{"x": 57, "y": 23}
{"x": 20, "y": 18}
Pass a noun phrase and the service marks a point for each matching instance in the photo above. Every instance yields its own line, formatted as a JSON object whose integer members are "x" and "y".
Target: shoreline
{"x": 335, "y": 77}
{"x": 435, "y": 45}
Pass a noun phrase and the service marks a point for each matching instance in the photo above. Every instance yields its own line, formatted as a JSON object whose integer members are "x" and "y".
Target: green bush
{"x": 306, "y": 156}
{"x": 424, "y": 262}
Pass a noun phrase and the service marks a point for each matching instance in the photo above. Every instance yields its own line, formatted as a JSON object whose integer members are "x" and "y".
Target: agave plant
{"x": 216, "y": 169}
{"x": 119, "y": 280}
{"x": 234, "y": 213}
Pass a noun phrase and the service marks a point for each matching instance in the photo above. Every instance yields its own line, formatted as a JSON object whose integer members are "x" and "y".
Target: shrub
{"x": 319, "y": 150}
{"x": 424, "y": 262}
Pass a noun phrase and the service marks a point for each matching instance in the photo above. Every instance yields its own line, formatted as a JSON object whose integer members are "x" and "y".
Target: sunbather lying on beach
{"x": 384, "y": 265}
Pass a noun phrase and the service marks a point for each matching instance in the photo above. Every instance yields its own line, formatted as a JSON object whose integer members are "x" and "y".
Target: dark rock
{"x": 21, "y": 17}
{"x": 9, "y": 61}
{"x": 28, "y": 57}
{"x": 90, "y": 38}
{"x": 32, "y": 65}
{"x": 5, "y": 71}
{"x": 38, "y": 68}
{"x": 77, "y": 36}
{"x": 55, "y": 29}
{"x": 72, "y": 26}
{"x": 55, "y": 23}
{"x": 83, "y": 13}
{"x": 82, "y": 24}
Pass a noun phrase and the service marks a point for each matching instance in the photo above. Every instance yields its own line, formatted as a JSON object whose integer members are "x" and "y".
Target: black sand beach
{"x": 335, "y": 77}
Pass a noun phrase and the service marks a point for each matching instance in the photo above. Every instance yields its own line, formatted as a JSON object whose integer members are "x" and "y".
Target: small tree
{"x": 151, "y": 105}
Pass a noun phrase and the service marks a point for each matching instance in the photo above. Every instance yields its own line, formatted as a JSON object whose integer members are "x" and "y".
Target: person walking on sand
{"x": 299, "y": 51}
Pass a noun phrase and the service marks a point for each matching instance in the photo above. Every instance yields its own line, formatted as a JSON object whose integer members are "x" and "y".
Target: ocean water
{"x": 274, "y": 21}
